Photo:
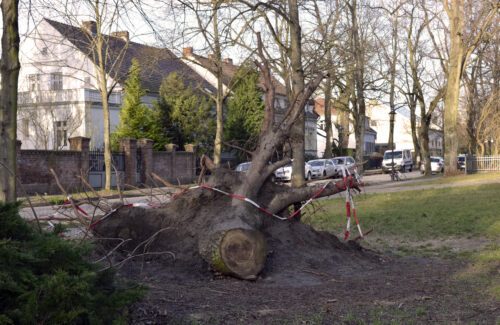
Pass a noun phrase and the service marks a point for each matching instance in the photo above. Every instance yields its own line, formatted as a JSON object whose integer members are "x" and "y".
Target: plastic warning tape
{"x": 349, "y": 204}
{"x": 259, "y": 207}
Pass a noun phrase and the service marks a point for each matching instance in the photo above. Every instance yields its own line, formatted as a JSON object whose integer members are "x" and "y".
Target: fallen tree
{"x": 225, "y": 229}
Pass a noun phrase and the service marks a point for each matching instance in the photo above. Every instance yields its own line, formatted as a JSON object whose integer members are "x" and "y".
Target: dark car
{"x": 461, "y": 162}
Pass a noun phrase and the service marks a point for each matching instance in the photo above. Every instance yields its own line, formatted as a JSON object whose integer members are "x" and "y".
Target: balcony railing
{"x": 65, "y": 95}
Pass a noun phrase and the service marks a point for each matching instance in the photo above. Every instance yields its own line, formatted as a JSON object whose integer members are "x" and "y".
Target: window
{"x": 61, "y": 133}
{"x": 25, "y": 128}
{"x": 373, "y": 123}
{"x": 34, "y": 82}
{"x": 56, "y": 81}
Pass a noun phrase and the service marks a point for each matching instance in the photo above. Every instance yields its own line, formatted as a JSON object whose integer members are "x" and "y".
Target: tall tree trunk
{"x": 103, "y": 89}
{"x": 298, "y": 129}
{"x": 424, "y": 144}
{"x": 328, "y": 118}
{"x": 359, "y": 102}
{"x": 9, "y": 69}
{"x": 455, "y": 65}
{"x": 414, "y": 131}
{"x": 220, "y": 86}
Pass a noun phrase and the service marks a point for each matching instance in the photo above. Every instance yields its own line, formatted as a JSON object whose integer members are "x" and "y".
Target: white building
{"x": 58, "y": 93}
{"x": 341, "y": 129}
{"x": 377, "y": 130}
{"x": 380, "y": 121}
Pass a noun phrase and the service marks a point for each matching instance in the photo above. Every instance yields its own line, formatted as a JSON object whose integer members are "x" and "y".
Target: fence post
{"x": 129, "y": 147}
{"x": 192, "y": 149}
{"x": 171, "y": 149}
{"x": 146, "y": 148}
{"x": 81, "y": 144}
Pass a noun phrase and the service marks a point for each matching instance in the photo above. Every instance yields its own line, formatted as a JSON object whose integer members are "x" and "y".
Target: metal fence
{"x": 482, "y": 164}
{"x": 97, "y": 167}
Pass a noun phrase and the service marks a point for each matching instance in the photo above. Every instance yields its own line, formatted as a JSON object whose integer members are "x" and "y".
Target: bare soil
{"x": 311, "y": 278}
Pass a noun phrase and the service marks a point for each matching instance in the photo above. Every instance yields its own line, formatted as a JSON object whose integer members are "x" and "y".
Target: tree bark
{"x": 328, "y": 118}
{"x": 219, "y": 98}
{"x": 359, "y": 105}
{"x": 297, "y": 132}
{"x": 455, "y": 66}
{"x": 9, "y": 69}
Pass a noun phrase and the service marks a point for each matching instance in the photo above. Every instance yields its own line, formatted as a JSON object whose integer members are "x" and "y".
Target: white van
{"x": 402, "y": 158}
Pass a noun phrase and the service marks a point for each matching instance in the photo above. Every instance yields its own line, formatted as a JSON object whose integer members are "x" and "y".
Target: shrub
{"x": 45, "y": 279}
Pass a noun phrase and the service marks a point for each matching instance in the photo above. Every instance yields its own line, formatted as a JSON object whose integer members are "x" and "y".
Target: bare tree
{"x": 482, "y": 91}
{"x": 227, "y": 231}
{"x": 327, "y": 16}
{"x": 9, "y": 70}
{"x": 464, "y": 39}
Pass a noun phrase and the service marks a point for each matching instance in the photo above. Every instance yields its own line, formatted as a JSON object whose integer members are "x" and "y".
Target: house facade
{"x": 376, "y": 130}
{"x": 58, "y": 85}
{"x": 380, "y": 121}
{"x": 342, "y": 130}
{"x": 59, "y": 95}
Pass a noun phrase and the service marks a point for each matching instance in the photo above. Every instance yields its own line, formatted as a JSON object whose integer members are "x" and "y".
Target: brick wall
{"x": 34, "y": 170}
{"x": 33, "y": 166}
{"x": 174, "y": 166}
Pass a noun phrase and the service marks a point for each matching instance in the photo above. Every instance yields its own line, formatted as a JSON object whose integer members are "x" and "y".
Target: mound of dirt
{"x": 176, "y": 227}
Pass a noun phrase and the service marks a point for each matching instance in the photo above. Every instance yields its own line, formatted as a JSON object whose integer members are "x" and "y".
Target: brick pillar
{"x": 171, "y": 148}
{"x": 81, "y": 144}
{"x": 192, "y": 149}
{"x": 146, "y": 148}
{"x": 129, "y": 147}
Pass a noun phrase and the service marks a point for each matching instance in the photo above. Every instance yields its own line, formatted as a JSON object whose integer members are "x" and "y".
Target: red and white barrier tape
{"x": 255, "y": 204}
{"x": 349, "y": 204}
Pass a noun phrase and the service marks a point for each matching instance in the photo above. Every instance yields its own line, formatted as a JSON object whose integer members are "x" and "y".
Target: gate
{"x": 97, "y": 174}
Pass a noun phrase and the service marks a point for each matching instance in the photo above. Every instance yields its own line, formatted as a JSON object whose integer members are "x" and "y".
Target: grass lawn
{"x": 419, "y": 215}
{"x": 457, "y": 180}
{"x": 422, "y": 222}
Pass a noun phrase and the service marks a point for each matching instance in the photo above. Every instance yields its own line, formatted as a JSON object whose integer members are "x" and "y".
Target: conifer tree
{"x": 186, "y": 114}
{"x": 136, "y": 119}
{"x": 245, "y": 108}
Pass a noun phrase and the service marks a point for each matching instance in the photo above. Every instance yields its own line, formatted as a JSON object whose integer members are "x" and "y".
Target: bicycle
{"x": 397, "y": 175}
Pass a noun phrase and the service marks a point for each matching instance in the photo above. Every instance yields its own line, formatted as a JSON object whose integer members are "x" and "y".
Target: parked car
{"x": 285, "y": 173}
{"x": 437, "y": 165}
{"x": 322, "y": 168}
{"x": 461, "y": 162}
{"x": 343, "y": 162}
{"x": 243, "y": 167}
{"x": 403, "y": 160}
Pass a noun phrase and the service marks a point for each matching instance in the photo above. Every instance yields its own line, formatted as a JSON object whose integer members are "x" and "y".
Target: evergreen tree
{"x": 186, "y": 114}
{"x": 245, "y": 108}
{"x": 136, "y": 119}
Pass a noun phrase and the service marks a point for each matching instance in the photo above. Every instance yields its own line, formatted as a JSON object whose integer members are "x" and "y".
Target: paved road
{"x": 373, "y": 184}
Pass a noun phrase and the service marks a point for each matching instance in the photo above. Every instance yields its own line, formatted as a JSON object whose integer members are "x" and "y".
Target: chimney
{"x": 89, "y": 26}
{"x": 187, "y": 52}
{"x": 211, "y": 57}
{"x": 124, "y": 35}
{"x": 228, "y": 61}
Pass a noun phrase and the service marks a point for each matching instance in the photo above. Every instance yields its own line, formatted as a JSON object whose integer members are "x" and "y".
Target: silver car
{"x": 344, "y": 162}
{"x": 322, "y": 168}
{"x": 285, "y": 173}
{"x": 437, "y": 165}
